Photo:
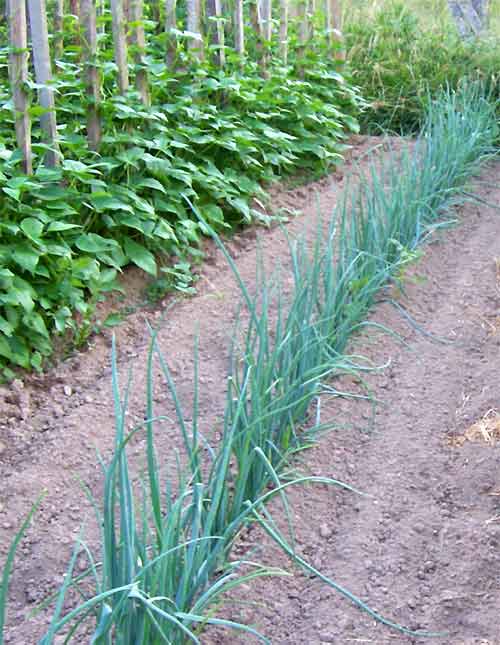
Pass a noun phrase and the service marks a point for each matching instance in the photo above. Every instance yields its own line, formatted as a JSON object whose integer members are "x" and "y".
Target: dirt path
{"x": 423, "y": 549}
{"x": 424, "y": 535}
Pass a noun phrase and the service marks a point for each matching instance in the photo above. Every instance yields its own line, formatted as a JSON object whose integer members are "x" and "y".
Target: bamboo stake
{"x": 303, "y": 27}
{"x": 337, "y": 37}
{"x": 138, "y": 39}
{"x": 240, "y": 28}
{"x": 93, "y": 81}
{"x": 267, "y": 30}
{"x": 43, "y": 74}
{"x": 74, "y": 9}
{"x": 58, "y": 29}
{"x": 120, "y": 43}
{"x": 195, "y": 43}
{"x": 255, "y": 17}
{"x": 284, "y": 31}
{"x": 18, "y": 72}
{"x": 155, "y": 15}
{"x": 216, "y": 30}
{"x": 256, "y": 20}
{"x": 329, "y": 23}
{"x": 170, "y": 25}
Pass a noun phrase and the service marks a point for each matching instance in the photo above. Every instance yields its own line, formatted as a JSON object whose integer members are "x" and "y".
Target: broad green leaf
{"x": 164, "y": 230}
{"x": 149, "y": 182}
{"x": 25, "y": 256}
{"x": 140, "y": 256}
{"x": 93, "y": 243}
{"x": 5, "y": 327}
{"x": 15, "y": 193}
{"x": 61, "y": 226}
{"x": 5, "y": 350}
{"x": 32, "y": 227}
{"x": 113, "y": 320}
{"x": 35, "y": 321}
{"x": 107, "y": 202}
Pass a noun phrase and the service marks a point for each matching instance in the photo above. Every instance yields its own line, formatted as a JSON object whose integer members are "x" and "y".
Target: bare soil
{"x": 422, "y": 547}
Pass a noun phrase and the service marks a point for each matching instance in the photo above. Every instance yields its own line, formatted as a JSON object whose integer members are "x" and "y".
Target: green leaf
{"x": 35, "y": 321}
{"x": 54, "y": 227}
{"x": 140, "y": 256}
{"x": 5, "y": 327}
{"x": 241, "y": 206}
{"x": 93, "y": 243}
{"x": 149, "y": 182}
{"x": 15, "y": 193}
{"x": 19, "y": 352}
{"x": 32, "y": 227}
{"x": 26, "y": 257}
{"x": 107, "y": 202}
{"x": 5, "y": 350}
{"x": 164, "y": 230}
{"x": 53, "y": 193}
{"x": 113, "y": 320}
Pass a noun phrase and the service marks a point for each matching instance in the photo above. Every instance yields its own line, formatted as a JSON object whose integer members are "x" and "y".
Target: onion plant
{"x": 167, "y": 562}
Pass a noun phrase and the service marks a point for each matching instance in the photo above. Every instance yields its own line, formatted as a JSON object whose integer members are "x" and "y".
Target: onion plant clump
{"x": 167, "y": 561}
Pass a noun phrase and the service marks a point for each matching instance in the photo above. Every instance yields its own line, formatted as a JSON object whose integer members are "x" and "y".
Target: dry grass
{"x": 486, "y": 430}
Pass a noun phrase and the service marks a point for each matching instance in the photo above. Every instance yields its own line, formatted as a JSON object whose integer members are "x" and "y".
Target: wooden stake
{"x": 195, "y": 43}
{"x": 93, "y": 81}
{"x": 267, "y": 30}
{"x": 240, "y": 27}
{"x": 284, "y": 31}
{"x": 58, "y": 29}
{"x": 43, "y": 74}
{"x": 170, "y": 25}
{"x": 216, "y": 30}
{"x": 329, "y": 22}
{"x": 303, "y": 27}
{"x": 138, "y": 39}
{"x": 256, "y": 20}
{"x": 74, "y": 9}
{"x": 120, "y": 43}
{"x": 18, "y": 72}
{"x": 337, "y": 37}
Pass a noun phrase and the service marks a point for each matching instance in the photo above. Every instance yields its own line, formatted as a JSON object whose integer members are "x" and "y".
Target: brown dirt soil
{"x": 422, "y": 548}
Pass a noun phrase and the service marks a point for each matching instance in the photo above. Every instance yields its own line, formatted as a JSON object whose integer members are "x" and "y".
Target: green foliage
{"x": 166, "y": 564}
{"x": 213, "y": 137}
{"x": 399, "y": 66}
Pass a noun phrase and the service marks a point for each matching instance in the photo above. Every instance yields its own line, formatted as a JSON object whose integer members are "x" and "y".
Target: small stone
{"x": 68, "y": 390}
{"x": 82, "y": 564}
{"x": 3, "y": 447}
{"x": 325, "y": 531}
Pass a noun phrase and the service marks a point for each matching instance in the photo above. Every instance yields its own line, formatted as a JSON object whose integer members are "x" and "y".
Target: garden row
{"x": 211, "y": 134}
{"x": 166, "y": 563}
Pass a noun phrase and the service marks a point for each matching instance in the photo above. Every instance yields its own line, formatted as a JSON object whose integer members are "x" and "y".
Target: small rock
{"x": 68, "y": 390}
{"x": 325, "y": 531}
{"x": 3, "y": 447}
{"x": 82, "y": 564}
